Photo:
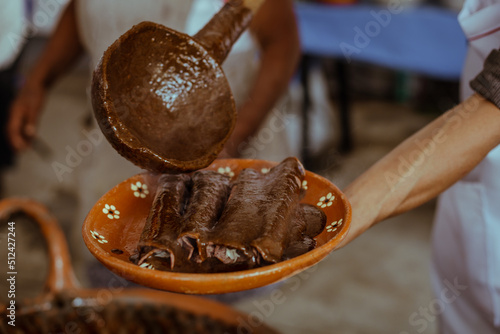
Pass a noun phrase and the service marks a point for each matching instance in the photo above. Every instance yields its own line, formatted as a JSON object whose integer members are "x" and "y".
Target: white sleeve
{"x": 481, "y": 24}
{"x": 12, "y": 36}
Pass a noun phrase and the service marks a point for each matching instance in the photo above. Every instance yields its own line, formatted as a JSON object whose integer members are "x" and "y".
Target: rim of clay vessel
{"x": 62, "y": 281}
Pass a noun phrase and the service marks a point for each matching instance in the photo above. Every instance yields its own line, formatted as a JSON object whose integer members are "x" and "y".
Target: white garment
{"x": 18, "y": 22}
{"x": 466, "y": 238}
{"x": 12, "y": 36}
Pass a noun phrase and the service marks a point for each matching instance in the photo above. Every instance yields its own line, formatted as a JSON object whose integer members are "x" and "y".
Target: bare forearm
{"x": 62, "y": 51}
{"x": 425, "y": 164}
{"x": 277, "y": 67}
{"x": 276, "y": 31}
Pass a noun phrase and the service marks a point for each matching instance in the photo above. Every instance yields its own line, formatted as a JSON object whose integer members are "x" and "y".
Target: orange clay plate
{"x": 113, "y": 227}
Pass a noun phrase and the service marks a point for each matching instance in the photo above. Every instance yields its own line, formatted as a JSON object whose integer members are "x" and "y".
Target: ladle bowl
{"x": 160, "y": 96}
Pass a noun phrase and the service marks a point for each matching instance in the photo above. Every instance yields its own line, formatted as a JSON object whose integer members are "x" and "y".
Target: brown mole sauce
{"x": 260, "y": 223}
{"x": 172, "y": 97}
{"x": 224, "y": 29}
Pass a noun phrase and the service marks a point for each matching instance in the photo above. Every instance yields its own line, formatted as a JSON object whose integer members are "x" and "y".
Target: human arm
{"x": 62, "y": 51}
{"x": 425, "y": 164}
{"x": 275, "y": 27}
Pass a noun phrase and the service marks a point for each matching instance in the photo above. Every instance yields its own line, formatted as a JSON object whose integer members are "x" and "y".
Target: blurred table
{"x": 424, "y": 40}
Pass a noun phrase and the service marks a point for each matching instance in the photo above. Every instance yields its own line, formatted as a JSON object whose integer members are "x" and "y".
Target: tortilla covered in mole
{"x": 204, "y": 223}
{"x": 165, "y": 220}
{"x": 209, "y": 194}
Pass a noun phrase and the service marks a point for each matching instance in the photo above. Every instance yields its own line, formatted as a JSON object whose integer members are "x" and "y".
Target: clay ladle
{"x": 160, "y": 96}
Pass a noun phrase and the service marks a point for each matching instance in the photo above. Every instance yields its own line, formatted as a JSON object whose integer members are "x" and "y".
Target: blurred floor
{"x": 372, "y": 286}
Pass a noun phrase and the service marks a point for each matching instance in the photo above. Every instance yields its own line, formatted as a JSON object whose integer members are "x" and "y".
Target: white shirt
{"x": 12, "y": 25}
{"x": 466, "y": 238}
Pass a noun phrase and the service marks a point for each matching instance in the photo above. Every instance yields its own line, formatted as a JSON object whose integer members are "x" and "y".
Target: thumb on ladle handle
{"x": 222, "y": 31}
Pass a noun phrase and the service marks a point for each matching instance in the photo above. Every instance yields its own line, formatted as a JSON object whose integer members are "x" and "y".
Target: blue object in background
{"x": 425, "y": 40}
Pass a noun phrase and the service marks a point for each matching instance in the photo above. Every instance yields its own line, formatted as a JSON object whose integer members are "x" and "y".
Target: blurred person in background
{"x": 459, "y": 152}
{"x": 258, "y": 69}
{"x": 11, "y": 26}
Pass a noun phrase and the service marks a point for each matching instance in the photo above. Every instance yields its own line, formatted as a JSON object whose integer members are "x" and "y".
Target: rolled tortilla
{"x": 309, "y": 221}
{"x": 256, "y": 218}
{"x": 210, "y": 192}
{"x": 282, "y": 191}
{"x": 240, "y": 222}
{"x": 165, "y": 221}
{"x": 315, "y": 218}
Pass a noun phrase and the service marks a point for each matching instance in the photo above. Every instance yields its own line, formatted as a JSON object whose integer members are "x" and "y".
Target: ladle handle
{"x": 253, "y": 5}
{"x": 222, "y": 31}
{"x": 60, "y": 276}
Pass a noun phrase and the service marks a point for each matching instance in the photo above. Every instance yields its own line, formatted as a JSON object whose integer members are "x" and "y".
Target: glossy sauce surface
{"x": 169, "y": 94}
{"x": 261, "y": 222}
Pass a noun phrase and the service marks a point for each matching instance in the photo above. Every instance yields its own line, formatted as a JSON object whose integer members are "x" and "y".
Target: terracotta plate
{"x": 112, "y": 229}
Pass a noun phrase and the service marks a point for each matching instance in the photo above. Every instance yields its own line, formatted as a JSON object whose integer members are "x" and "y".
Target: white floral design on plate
{"x": 100, "y": 239}
{"x": 334, "y": 226}
{"x": 304, "y": 185}
{"x": 265, "y": 170}
{"x": 326, "y": 201}
{"x": 147, "y": 266}
{"x": 226, "y": 171}
{"x": 139, "y": 189}
{"x": 111, "y": 212}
